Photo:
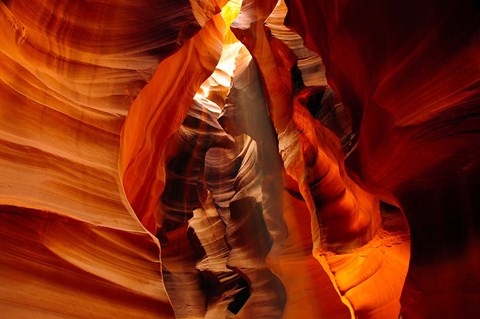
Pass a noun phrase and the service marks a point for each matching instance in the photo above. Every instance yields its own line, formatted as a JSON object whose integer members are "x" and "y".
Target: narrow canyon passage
{"x": 239, "y": 159}
{"x": 236, "y": 163}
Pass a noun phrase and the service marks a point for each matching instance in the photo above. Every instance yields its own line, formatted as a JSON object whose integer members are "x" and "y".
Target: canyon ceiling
{"x": 226, "y": 159}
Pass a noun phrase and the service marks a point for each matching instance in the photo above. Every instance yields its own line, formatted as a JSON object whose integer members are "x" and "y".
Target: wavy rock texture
{"x": 71, "y": 245}
{"x": 410, "y": 77}
{"x": 255, "y": 159}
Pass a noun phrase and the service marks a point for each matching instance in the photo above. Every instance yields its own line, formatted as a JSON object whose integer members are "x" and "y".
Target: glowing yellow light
{"x": 217, "y": 86}
{"x": 229, "y": 13}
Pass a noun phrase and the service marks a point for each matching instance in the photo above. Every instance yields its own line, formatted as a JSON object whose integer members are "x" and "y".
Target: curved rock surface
{"x": 239, "y": 159}
{"x": 410, "y": 77}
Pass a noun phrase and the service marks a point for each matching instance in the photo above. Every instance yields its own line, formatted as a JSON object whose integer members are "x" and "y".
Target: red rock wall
{"x": 409, "y": 72}
{"x": 156, "y": 164}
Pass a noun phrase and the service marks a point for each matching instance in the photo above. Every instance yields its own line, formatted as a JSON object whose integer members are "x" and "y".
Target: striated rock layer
{"x": 239, "y": 159}
{"x": 71, "y": 244}
{"x": 410, "y": 76}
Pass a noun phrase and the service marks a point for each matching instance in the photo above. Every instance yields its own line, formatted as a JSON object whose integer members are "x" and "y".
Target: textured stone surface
{"x": 409, "y": 72}
{"x": 255, "y": 159}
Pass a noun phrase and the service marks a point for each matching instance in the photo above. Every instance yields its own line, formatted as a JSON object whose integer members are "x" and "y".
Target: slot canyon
{"x": 217, "y": 159}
